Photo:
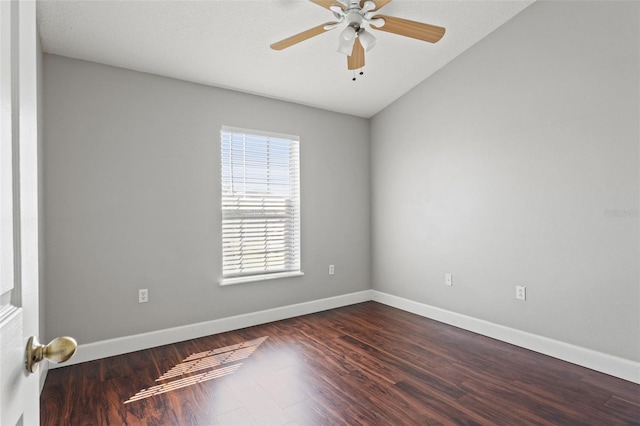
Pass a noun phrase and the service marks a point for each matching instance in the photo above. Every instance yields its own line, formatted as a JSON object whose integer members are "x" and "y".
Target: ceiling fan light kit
{"x": 348, "y": 34}
{"x": 347, "y": 38}
{"x": 367, "y": 39}
{"x": 357, "y": 17}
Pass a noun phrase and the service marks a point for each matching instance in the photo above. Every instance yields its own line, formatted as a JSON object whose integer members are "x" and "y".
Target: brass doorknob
{"x": 58, "y": 350}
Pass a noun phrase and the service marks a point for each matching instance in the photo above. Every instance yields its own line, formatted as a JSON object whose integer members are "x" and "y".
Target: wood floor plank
{"x": 536, "y": 410}
{"x": 240, "y": 417}
{"x": 364, "y": 364}
{"x": 440, "y": 411}
{"x": 623, "y": 409}
{"x": 307, "y": 413}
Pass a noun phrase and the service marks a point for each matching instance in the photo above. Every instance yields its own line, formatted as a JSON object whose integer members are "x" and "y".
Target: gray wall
{"x": 502, "y": 169}
{"x": 132, "y": 200}
{"x": 518, "y": 163}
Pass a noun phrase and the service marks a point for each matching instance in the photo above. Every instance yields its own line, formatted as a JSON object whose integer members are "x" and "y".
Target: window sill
{"x": 254, "y": 278}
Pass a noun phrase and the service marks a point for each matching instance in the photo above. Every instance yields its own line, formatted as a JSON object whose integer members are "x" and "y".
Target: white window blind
{"x": 260, "y": 203}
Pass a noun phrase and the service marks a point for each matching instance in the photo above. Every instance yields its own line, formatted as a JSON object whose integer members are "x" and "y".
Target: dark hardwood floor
{"x": 361, "y": 364}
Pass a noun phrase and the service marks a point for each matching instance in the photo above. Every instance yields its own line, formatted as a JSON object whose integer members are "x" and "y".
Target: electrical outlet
{"x": 331, "y": 270}
{"x": 521, "y": 292}
{"x": 143, "y": 295}
{"x": 448, "y": 279}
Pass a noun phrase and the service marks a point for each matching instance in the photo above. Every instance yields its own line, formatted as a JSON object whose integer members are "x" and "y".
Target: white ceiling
{"x": 225, "y": 43}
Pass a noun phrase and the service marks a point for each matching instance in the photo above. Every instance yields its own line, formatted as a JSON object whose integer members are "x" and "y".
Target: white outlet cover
{"x": 448, "y": 279}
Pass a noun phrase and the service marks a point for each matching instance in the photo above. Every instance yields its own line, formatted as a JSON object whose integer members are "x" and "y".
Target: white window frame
{"x": 260, "y": 201}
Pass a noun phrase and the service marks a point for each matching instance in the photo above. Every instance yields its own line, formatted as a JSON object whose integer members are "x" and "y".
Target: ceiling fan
{"x": 356, "y": 17}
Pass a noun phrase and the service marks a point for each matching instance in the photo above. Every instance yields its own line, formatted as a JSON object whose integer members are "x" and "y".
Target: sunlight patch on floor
{"x": 213, "y": 359}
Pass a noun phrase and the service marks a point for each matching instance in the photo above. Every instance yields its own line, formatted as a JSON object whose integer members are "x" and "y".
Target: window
{"x": 260, "y": 205}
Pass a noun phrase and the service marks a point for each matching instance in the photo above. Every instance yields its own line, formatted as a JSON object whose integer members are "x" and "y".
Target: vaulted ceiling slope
{"x": 226, "y": 44}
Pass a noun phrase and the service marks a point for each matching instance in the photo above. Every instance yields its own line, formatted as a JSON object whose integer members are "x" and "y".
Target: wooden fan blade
{"x": 413, "y": 29}
{"x": 356, "y": 60}
{"x": 379, "y": 3}
{"x": 295, "y": 39}
{"x": 327, "y": 3}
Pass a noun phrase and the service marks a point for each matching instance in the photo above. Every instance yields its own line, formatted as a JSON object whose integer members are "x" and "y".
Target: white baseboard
{"x": 122, "y": 345}
{"x": 608, "y": 364}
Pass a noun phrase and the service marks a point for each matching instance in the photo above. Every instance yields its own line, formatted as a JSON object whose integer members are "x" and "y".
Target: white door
{"x": 19, "y": 304}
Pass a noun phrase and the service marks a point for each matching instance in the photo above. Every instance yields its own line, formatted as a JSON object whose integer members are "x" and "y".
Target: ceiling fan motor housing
{"x": 354, "y": 18}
